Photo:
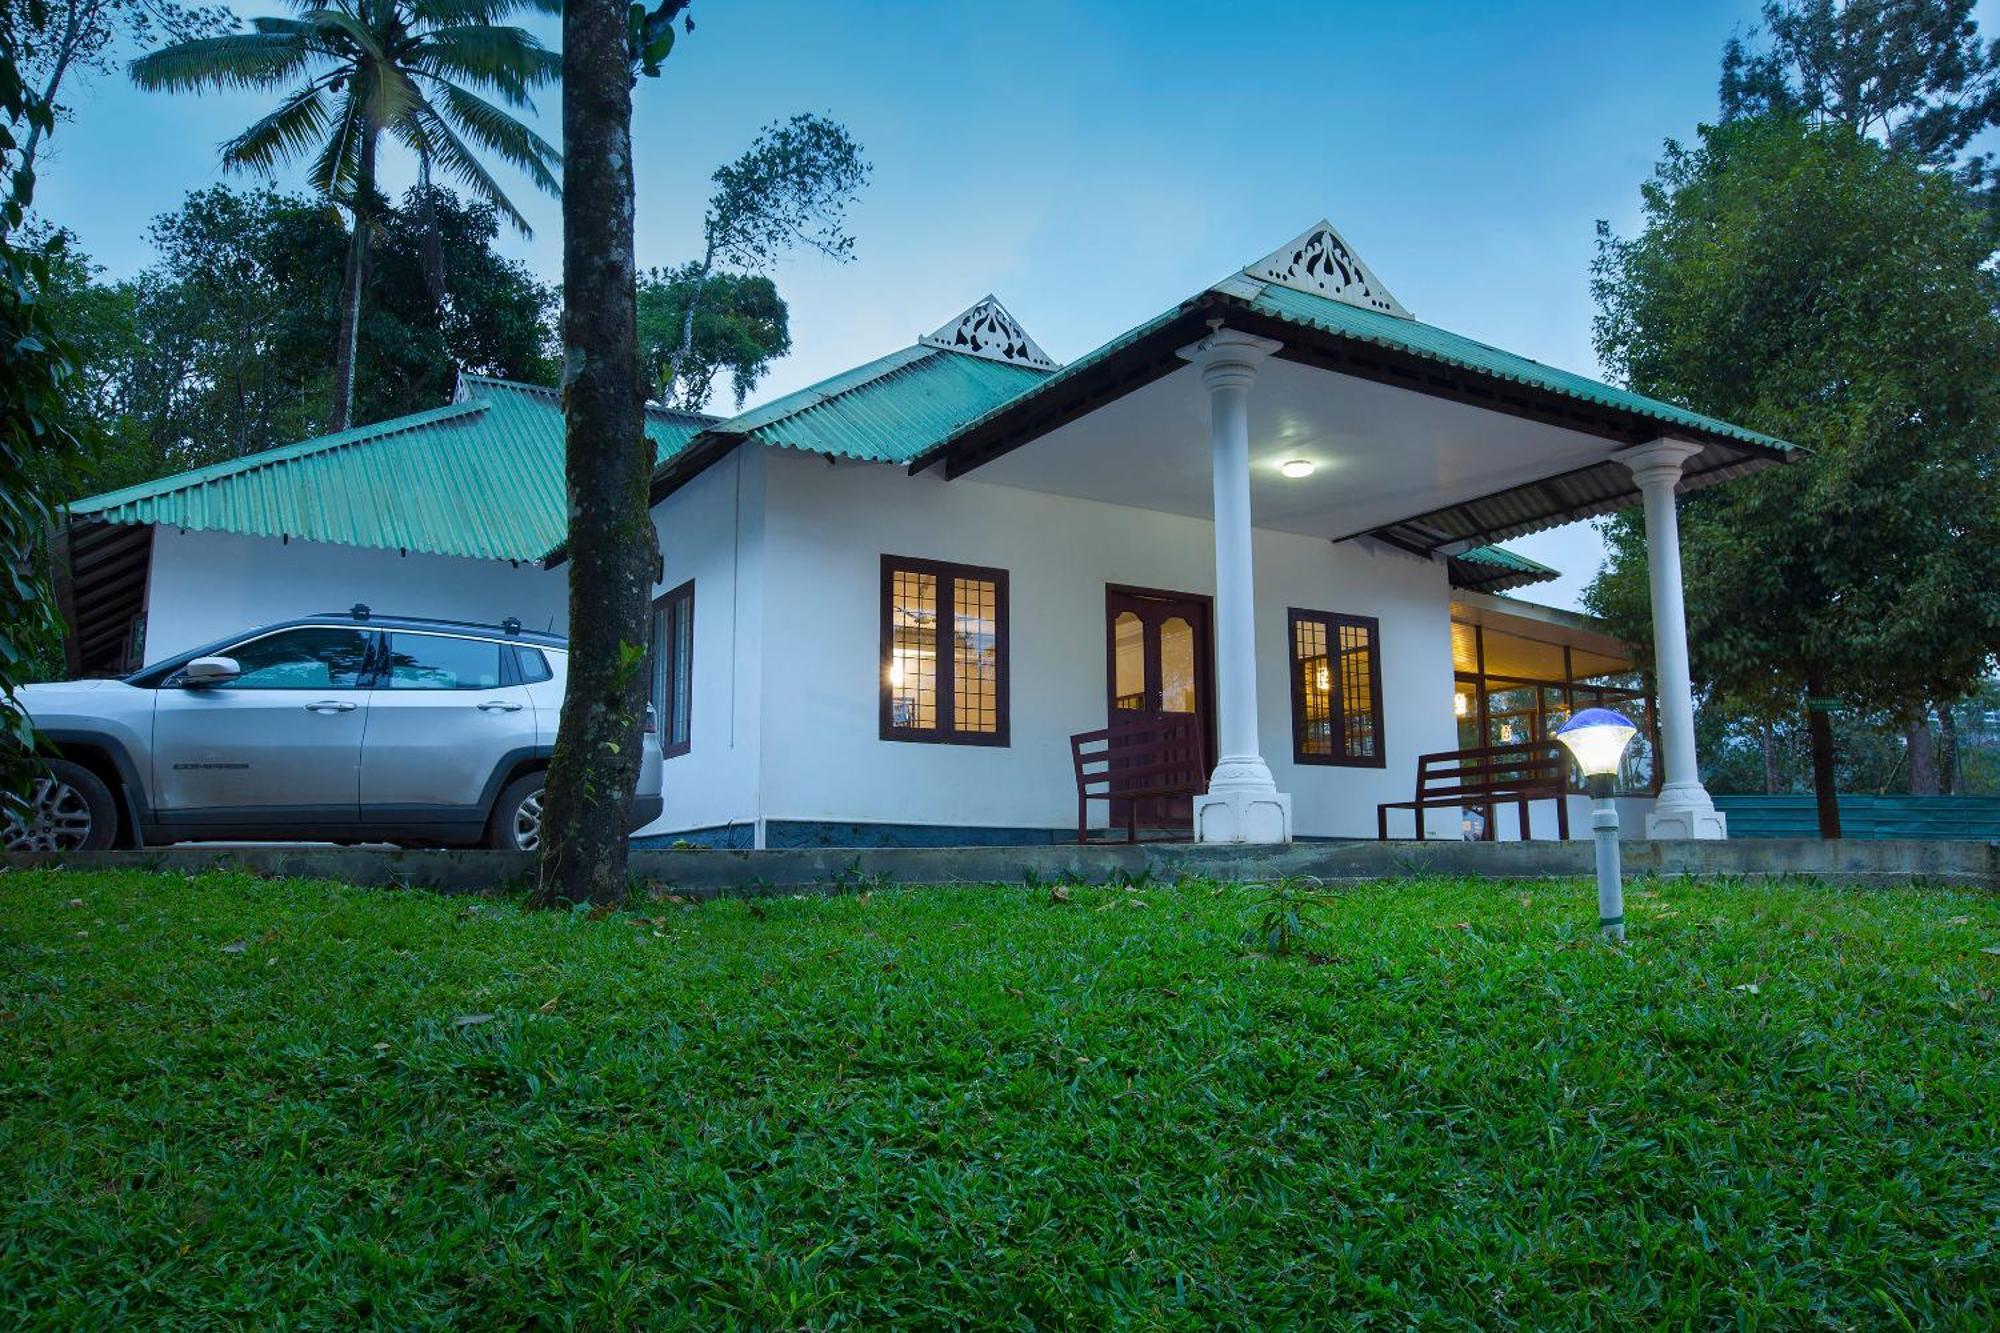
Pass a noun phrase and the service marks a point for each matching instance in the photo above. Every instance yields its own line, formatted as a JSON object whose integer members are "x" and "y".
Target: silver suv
{"x": 348, "y": 727}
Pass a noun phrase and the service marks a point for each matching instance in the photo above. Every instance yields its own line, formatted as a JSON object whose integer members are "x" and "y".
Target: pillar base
{"x": 1243, "y": 805}
{"x": 1686, "y": 814}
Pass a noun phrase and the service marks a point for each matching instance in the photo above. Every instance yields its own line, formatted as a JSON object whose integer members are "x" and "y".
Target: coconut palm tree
{"x": 354, "y": 69}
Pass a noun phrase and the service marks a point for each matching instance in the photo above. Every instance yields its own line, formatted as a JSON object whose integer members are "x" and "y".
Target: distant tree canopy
{"x": 1913, "y": 74}
{"x": 224, "y": 346}
{"x": 741, "y": 325}
{"x": 1816, "y": 284}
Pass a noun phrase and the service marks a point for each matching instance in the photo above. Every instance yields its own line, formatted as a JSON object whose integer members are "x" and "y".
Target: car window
{"x": 533, "y": 666}
{"x": 302, "y": 659}
{"x": 434, "y": 662}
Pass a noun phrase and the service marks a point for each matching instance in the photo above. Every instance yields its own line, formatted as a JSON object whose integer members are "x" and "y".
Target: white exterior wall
{"x": 209, "y": 585}
{"x": 712, "y": 531}
{"x": 827, "y": 529}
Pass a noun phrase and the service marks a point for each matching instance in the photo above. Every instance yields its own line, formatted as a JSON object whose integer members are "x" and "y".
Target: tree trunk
{"x": 352, "y": 282}
{"x": 1770, "y": 761}
{"x": 587, "y": 803}
{"x": 686, "y": 345}
{"x": 1923, "y": 759}
{"x": 1947, "y": 752}
{"x": 1819, "y": 727}
{"x": 65, "y": 52}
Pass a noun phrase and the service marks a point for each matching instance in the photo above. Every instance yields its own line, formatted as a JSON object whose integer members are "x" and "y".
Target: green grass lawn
{"x": 227, "y": 1100}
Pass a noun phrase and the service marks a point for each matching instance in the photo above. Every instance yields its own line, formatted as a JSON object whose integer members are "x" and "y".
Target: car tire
{"x": 516, "y": 822}
{"x": 69, "y": 810}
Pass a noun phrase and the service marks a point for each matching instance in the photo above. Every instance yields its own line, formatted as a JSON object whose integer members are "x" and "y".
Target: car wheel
{"x": 69, "y": 809}
{"x": 516, "y": 825}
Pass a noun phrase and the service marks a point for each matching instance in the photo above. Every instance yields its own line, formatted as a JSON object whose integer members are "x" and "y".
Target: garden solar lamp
{"x": 1597, "y": 738}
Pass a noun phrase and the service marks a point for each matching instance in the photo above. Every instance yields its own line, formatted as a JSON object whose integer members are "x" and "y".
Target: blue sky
{"x": 1092, "y": 163}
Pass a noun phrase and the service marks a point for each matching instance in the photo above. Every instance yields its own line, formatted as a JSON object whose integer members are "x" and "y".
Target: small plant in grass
{"x": 1285, "y": 911}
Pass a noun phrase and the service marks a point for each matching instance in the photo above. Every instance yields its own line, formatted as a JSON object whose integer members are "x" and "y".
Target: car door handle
{"x": 497, "y": 706}
{"x": 330, "y": 706}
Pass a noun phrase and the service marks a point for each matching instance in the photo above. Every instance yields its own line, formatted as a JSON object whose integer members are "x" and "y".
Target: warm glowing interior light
{"x": 1324, "y": 679}
{"x": 1297, "y": 467}
{"x": 1461, "y": 704}
{"x": 1597, "y": 737}
{"x": 896, "y": 672}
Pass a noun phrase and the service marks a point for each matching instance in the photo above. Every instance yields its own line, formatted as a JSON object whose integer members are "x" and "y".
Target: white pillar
{"x": 1243, "y": 803}
{"x": 1684, "y": 809}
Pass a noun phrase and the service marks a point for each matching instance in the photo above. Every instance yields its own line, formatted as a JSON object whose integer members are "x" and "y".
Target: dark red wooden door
{"x": 1158, "y": 664}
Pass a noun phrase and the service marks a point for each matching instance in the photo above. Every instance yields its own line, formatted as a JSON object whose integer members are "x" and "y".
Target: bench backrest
{"x": 1531, "y": 768}
{"x": 1143, "y": 757}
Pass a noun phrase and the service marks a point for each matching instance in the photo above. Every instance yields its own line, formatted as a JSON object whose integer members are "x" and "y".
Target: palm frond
{"x": 290, "y": 132}
{"x": 500, "y": 133}
{"x": 367, "y": 41}
{"x": 389, "y": 94}
{"x": 234, "y": 60}
{"x": 335, "y": 171}
{"x": 505, "y": 60}
{"x": 450, "y": 152}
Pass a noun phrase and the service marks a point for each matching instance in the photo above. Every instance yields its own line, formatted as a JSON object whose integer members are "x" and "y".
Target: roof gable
{"x": 898, "y": 406}
{"x": 986, "y": 329}
{"x": 1318, "y": 262}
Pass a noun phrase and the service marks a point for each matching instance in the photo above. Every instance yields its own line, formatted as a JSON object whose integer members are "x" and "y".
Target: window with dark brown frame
{"x": 943, "y": 670}
{"x": 1336, "y": 689}
{"x": 672, "y": 653}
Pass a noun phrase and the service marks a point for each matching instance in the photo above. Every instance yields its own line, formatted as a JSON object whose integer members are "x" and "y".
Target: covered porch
{"x": 1298, "y": 397}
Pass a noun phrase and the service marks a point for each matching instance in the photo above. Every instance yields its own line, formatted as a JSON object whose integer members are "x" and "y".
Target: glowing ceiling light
{"x": 1296, "y": 468}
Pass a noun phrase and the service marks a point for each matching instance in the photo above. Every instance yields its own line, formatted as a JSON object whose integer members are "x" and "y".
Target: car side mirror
{"x": 210, "y": 671}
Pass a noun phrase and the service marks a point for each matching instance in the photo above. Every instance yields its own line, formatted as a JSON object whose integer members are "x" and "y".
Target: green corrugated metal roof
{"x": 1391, "y": 331}
{"x": 482, "y": 477}
{"x": 1436, "y": 344}
{"x": 889, "y": 410}
{"x": 1502, "y": 558}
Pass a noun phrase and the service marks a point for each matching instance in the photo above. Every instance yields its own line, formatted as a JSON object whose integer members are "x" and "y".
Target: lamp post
{"x": 1597, "y": 737}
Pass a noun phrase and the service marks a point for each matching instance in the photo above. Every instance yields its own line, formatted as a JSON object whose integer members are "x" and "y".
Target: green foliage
{"x": 79, "y": 38}
{"x": 649, "y": 37}
{"x": 1286, "y": 910}
{"x": 1814, "y": 284}
{"x": 276, "y": 1102}
{"x": 224, "y": 345}
{"x": 1912, "y": 72}
{"x": 353, "y": 70}
{"x": 741, "y": 325}
{"x": 789, "y": 190}
{"x": 37, "y": 382}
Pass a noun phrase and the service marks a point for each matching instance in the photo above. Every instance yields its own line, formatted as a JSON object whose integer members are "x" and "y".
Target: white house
{"x": 887, "y": 601}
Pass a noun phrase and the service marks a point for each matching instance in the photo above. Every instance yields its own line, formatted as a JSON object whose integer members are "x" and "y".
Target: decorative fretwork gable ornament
{"x": 988, "y": 330}
{"x": 1320, "y": 263}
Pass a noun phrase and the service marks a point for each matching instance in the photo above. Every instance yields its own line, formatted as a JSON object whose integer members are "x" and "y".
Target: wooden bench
{"x": 1136, "y": 761}
{"x": 1486, "y": 777}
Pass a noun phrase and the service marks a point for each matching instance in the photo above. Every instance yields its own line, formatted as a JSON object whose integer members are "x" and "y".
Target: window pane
{"x": 303, "y": 659}
{"x": 1176, "y": 666}
{"x": 656, "y": 652}
{"x": 1465, "y": 706}
{"x": 683, "y": 677}
{"x": 1510, "y": 715}
{"x": 912, "y": 666}
{"x": 670, "y": 656}
{"x": 432, "y": 662}
{"x": 1315, "y": 688}
{"x": 975, "y": 663}
{"x": 1357, "y": 691}
{"x": 1128, "y": 647}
